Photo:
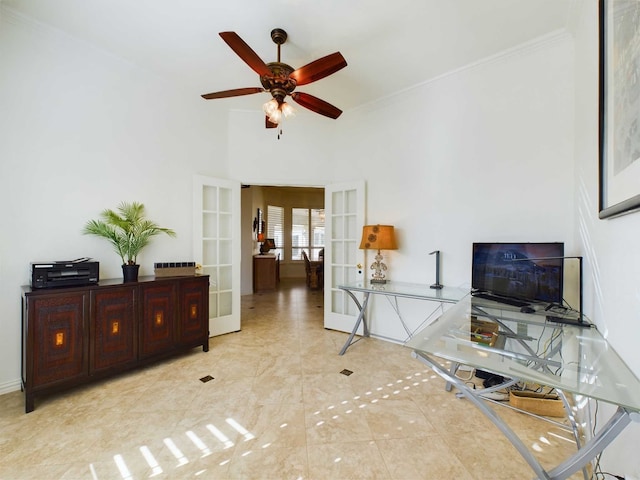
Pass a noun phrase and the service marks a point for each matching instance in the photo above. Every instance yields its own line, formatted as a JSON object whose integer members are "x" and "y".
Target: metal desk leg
{"x": 488, "y": 412}
{"x": 574, "y": 426}
{"x": 361, "y": 318}
{"x": 573, "y": 463}
{"x": 597, "y": 444}
{"x": 452, "y": 371}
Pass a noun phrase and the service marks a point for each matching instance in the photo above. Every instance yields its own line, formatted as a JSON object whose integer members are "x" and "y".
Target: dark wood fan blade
{"x": 245, "y": 52}
{"x": 323, "y": 67}
{"x": 269, "y": 124}
{"x": 236, "y": 92}
{"x": 316, "y": 105}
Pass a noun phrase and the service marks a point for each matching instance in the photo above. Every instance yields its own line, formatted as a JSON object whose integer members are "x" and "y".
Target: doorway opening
{"x": 297, "y": 226}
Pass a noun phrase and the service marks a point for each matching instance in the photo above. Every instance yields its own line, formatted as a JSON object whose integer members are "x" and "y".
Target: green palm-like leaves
{"x": 127, "y": 230}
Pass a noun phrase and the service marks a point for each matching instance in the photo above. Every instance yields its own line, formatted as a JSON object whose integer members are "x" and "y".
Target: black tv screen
{"x": 525, "y": 271}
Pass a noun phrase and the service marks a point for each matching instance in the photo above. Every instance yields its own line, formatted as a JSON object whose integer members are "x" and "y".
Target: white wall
{"x": 482, "y": 154}
{"x": 612, "y": 290}
{"x": 298, "y": 158}
{"x": 81, "y": 131}
{"x": 249, "y": 245}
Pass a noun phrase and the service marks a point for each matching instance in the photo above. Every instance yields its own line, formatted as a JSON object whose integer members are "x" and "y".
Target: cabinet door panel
{"x": 194, "y": 311}
{"x": 113, "y": 339}
{"x": 158, "y": 318}
{"x": 58, "y": 325}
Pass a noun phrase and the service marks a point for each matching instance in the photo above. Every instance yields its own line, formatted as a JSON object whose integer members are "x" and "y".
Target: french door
{"x": 344, "y": 210}
{"x": 216, "y": 233}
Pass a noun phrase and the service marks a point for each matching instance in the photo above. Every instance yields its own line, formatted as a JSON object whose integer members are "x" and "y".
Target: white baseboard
{"x": 8, "y": 387}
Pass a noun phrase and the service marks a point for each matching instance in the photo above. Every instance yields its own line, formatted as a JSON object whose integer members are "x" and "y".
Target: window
{"x": 307, "y": 232}
{"x": 317, "y": 233}
{"x": 275, "y": 228}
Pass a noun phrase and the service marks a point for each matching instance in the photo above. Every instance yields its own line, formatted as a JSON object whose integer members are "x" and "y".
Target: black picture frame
{"x": 619, "y": 108}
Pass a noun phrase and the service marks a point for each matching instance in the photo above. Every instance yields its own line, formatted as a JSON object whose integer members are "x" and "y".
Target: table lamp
{"x": 378, "y": 237}
{"x": 268, "y": 244}
{"x": 260, "y": 239}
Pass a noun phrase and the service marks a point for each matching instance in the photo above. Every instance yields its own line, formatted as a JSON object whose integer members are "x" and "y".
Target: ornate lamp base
{"x": 378, "y": 267}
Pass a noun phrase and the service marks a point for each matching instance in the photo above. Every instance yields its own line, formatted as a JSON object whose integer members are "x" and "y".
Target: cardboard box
{"x": 547, "y": 405}
{"x": 484, "y": 332}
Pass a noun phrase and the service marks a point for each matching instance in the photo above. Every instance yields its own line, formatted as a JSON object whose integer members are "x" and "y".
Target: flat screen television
{"x": 523, "y": 271}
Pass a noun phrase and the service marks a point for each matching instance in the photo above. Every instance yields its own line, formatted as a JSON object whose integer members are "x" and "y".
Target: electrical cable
{"x": 619, "y": 477}
{"x": 471, "y": 374}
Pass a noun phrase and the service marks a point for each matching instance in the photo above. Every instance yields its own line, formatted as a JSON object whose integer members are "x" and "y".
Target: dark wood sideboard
{"x": 76, "y": 335}
{"x": 265, "y": 272}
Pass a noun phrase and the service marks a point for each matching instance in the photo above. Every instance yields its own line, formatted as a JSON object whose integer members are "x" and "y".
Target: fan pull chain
{"x": 279, "y": 133}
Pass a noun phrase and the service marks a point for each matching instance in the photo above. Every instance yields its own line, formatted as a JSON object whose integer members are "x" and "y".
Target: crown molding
{"x": 521, "y": 50}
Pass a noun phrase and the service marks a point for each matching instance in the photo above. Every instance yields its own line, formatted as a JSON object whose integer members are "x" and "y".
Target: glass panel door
{"x": 344, "y": 210}
{"x": 216, "y": 225}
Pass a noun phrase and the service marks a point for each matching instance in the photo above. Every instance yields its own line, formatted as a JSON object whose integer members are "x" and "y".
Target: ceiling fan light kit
{"x": 280, "y": 80}
{"x": 275, "y": 111}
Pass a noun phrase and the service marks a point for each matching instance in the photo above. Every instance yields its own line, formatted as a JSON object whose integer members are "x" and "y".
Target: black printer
{"x": 64, "y": 273}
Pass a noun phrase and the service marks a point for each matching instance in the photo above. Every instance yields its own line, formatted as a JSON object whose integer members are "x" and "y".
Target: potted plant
{"x": 128, "y": 231}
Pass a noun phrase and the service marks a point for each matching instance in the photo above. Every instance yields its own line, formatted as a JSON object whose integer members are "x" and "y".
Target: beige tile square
{"x": 348, "y": 460}
{"x": 422, "y": 458}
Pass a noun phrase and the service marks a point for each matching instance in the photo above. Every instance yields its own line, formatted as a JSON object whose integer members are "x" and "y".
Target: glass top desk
{"x": 394, "y": 290}
{"x": 525, "y": 346}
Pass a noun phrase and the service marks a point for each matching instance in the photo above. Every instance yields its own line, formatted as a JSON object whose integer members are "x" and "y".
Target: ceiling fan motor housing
{"x": 279, "y": 83}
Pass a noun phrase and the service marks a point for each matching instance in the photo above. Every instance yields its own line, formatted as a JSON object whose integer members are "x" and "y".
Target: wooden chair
{"x": 313, "y": 271}
{"x": 307, "y": 267}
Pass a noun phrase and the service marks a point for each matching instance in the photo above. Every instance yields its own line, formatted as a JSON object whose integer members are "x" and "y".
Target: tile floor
{"x": 277, "y": 408}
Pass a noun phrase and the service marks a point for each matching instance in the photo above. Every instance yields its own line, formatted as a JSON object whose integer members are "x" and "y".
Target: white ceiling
{"x": 389, "y": 45}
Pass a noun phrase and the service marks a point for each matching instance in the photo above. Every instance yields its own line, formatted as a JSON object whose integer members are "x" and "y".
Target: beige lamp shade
{"x": 378, "y": 237}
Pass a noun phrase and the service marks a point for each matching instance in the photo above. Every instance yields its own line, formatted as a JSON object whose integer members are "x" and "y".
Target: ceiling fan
{"x": 280, "y": 80}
